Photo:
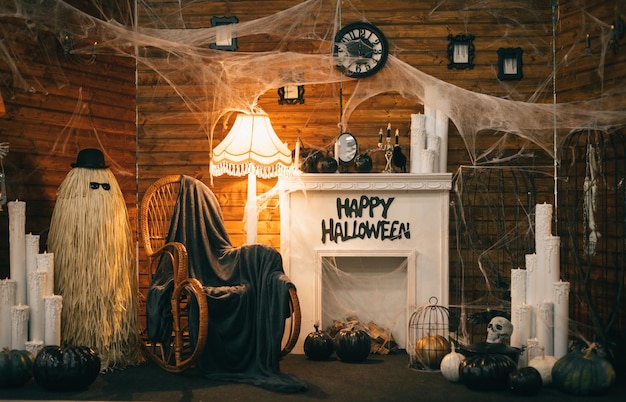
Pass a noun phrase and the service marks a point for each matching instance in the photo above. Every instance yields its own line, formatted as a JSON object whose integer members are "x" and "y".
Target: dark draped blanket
{"x": 246, "y": 289}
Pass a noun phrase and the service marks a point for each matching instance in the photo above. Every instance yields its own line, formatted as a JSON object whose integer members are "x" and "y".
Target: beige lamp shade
{"x": 251, "y": 146}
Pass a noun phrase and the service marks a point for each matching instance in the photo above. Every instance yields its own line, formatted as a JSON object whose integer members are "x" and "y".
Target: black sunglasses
{"x": 94, "y": 185}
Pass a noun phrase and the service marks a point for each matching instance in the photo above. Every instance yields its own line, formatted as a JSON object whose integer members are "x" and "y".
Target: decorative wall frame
{"x": 510, "y": 64}
{"x": 224, "y": 40}
{"x": 291, "y": 95}
{"x": 461, "y": 51}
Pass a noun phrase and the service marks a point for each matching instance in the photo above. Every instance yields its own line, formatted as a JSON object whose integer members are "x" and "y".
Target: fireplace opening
{"x": 369, "y": 288}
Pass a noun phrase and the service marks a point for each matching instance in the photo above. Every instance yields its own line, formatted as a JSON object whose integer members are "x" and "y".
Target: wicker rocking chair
{"x": 156, "y": 210}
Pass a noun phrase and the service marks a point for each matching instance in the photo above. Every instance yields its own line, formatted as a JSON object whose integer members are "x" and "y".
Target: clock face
{"x": 360, "y": 49}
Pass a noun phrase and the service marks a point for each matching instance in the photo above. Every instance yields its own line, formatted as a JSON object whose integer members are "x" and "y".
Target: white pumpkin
{"x": 450, "y": 366}
{"x": 544, "y": 365}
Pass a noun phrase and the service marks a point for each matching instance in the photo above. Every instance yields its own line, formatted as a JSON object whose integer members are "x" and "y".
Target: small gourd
{"x": 352, "y": 345}
{"x": 583, "y": 371}
{"x": 431, "y": 349}
{"x": 327, "y": 164}
{"x": 363, "y": 163}
{"x": 450, "y": 365}
{"x": 318, "y": 345}
{"x": 525, "y": 381}
{"x": 16, "y": 367}
{"x": 487, "y": 372}
{"x": 66, "y": 368}
{"x": 544, "y": 365}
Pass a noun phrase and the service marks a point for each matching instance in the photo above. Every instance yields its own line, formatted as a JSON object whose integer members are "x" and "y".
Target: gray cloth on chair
{"x": 247, "y": 293}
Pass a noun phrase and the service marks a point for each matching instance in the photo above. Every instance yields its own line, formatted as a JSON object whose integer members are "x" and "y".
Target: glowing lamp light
{"x": 251, "y": 148}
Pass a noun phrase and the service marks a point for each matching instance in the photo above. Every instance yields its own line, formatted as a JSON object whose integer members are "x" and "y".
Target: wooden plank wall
{"x": 66, "y": 106}
{"x": 55, "y": 106}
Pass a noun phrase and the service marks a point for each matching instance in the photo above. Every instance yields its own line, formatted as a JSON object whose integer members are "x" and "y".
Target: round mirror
{"x": 348, "y": 148}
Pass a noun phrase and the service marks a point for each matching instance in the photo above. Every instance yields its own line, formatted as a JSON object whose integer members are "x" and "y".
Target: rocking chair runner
{"x": 156, "y": 211}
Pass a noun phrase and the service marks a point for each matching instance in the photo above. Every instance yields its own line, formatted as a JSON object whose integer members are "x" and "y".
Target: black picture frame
{"x": 217, "y": 21}
{"x": 461, "y": 51}
{"x": 510, "y": 64}
{"x": 285, "y": 95}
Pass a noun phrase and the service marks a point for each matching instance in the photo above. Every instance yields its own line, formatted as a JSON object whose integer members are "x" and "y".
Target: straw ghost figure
{"x": 94, "y": 271}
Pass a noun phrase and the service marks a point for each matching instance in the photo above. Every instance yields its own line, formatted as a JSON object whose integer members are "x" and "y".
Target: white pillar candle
{"x": 45, "y": 263}
{"x": 518, "y": 297}
{"x": 32, "y": 249}
{"x": 37, "y": 286}
{"x": 19, "y": 326}
{"x": 533, "y": 349}
{"x": 545, "y": 327}
{"x": 531, "y": 273}
{"x": 418, "y": 144}
{"x": 525, "y": 324}
{"x": 17, "y": 247}
{"x": 553, "y": 260}
{"x": 543, "y": 221}
{"x": 296, "y": 159}
{"x": 53, "y": 307}
{"x": 337, "y": 151}
{"x": 34, "y": 346}
{"x": 561, "y": 318}
{"x": 8, "y": 289}
{"x": 441, "y": 128}
{"x": 431, "y": 122}
{"x": 428, "y": 160}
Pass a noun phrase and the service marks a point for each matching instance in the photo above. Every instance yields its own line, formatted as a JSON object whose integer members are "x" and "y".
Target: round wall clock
{"x": 360, "y": 49}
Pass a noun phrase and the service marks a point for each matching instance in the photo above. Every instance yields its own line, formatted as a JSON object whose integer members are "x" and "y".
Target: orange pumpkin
{"x": 431, "y": 349}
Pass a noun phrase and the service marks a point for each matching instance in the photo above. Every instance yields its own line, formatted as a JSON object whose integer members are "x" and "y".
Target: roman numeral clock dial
{"x": 360, "y": 49}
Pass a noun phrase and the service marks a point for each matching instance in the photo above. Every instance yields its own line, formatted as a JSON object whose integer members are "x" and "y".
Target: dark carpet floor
{"x": 380, "y": 378}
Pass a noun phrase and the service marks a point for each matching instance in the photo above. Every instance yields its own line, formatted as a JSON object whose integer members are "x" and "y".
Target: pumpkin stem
{"x": 592, "y": 347}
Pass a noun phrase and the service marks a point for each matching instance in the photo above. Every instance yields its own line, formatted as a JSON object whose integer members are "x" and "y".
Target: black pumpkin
{"x": 310, "y": 159}
{"x": 327, "y": 164}
{"x": 16, "y": 367}
{"x": 66, "y": 368}
{"x": 352, "y": 345}
{"x": 525, "y": 381}
{"x": 488, "y": 372}
{"x": 583, "y": 371}
{"x": 318, "y": 345}
{"x": 363, "y": 163}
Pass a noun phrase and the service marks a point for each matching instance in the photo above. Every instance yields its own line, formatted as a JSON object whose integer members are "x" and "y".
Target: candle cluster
{"x": 30, "y": 312}
{"x": 429, "y": 141}
{"x": 539, "y": 298}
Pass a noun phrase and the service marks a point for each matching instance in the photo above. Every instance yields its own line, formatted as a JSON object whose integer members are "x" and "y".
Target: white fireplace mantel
{"x": 329, "y": 215}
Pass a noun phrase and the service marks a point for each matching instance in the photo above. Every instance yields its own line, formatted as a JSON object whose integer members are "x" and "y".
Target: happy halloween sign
{"x": 363, "y": 218}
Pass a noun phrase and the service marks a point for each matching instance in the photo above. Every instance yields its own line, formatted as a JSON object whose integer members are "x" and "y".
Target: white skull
{"x": 499, "y": 330}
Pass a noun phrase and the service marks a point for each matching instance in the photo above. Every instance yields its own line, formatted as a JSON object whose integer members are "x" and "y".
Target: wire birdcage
{"x": 429, "y": 336}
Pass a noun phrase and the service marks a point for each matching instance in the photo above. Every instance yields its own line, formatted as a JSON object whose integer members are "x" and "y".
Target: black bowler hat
{"x": 90, "y": 158}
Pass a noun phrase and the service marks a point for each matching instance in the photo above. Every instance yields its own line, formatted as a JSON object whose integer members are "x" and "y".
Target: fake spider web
{"x": 234, "y": 81}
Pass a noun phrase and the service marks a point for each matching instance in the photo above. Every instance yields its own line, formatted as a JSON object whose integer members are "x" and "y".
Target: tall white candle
{"x": 8, "y": 288}
{"x": 518, "y": 297}
{"x": 37, "y": 286}
{"x": 561, "y": 318}
{"x": 45, "y": 263}
{"x": 531, "y": 274}
{"x": 545, "y": 327}
{"x": 418, "y": 144}
{"x": 53, "y": 308}
{"x": 17, "y": 247}
{"x": 441, "y": 128}
{"x": 32, "y": 249}
{"x": 543, "y": 221}
{"x": 296, "y": 159}
{"x": 337, "y": 150}
{"x": 19, "y": 326}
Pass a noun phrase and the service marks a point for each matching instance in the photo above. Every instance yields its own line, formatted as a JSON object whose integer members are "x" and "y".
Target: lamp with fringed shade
{"x": 251, "y": 148}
